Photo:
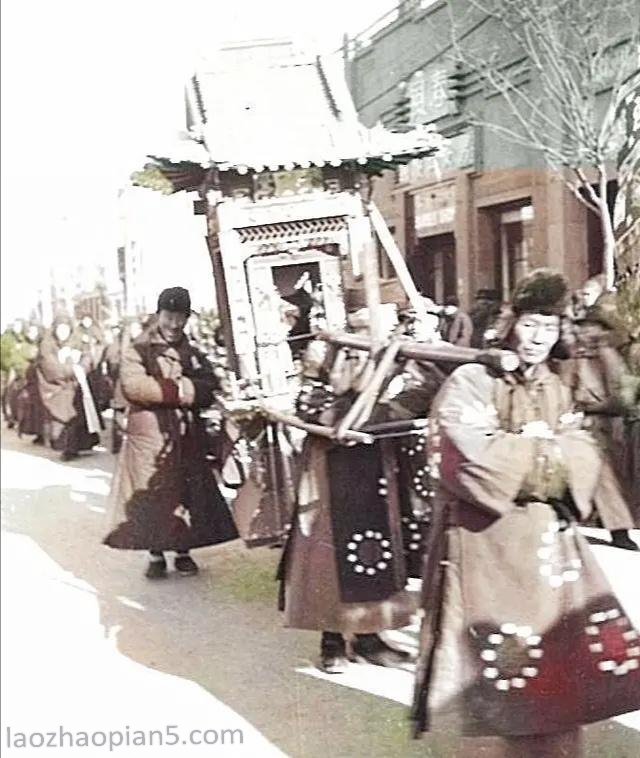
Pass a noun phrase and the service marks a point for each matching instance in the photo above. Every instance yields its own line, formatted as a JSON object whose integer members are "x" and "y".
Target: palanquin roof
{"x": 295, "y": 112}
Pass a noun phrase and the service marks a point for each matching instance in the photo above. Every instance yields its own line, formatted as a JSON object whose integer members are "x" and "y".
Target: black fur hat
{"x": 542, "y": 291}
{"x": 175, "y": 299}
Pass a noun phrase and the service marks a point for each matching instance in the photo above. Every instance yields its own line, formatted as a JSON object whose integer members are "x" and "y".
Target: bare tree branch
{"x": 587, "y": 186}
{"x": 575, "y": 191}
{"x": 567, "y": 43}
{"x": 559, "y": 68}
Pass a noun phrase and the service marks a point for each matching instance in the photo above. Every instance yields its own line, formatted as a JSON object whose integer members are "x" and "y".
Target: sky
{"x": 88, "y": 88}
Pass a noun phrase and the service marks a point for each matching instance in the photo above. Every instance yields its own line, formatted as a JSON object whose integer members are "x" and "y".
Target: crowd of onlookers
{"x": 59, "y": 383}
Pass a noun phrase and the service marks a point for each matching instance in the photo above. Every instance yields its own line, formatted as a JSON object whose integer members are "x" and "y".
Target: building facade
{"x": 160, "y": 245}
{"x": 489, "y": 210}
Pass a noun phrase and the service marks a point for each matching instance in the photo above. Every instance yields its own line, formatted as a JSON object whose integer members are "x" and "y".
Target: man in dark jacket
{"x": 483, "y": 313}
{"x": 457, "y": 327}
{"x": 30, "y": 411}
{"x": 164, "y": 495}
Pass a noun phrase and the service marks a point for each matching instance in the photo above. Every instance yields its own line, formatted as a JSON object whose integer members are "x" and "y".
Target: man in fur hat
{"x": 164, "y": 496}
{"x": 595, "y": 374}
{"x": 523, "y": 638}
{"x": 457, "y": 325}
{"x": 347, "y": 557}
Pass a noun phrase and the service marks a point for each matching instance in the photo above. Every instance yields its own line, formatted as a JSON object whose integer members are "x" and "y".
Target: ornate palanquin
{"x": 283, "y": 168}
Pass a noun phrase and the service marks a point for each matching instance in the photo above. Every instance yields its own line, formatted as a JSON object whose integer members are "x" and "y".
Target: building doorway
{"x": 595, "y": 244}
{"x": 433, "y": 266}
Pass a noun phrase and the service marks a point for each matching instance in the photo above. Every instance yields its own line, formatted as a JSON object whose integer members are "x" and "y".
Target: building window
{"x": 381, "y": 254}
{"x": 385, "y": 266}
{"x": 515, "y": 247}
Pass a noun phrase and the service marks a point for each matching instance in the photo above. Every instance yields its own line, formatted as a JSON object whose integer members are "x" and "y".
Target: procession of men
{"x": 475, "y": 479}
{"x": 320, "y": 379}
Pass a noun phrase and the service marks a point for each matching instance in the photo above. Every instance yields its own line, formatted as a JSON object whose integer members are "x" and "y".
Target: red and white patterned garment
{"x": 522, "y": 633}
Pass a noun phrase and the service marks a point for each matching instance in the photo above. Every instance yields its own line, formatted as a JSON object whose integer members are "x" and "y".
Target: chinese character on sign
{"x": 438, "y": 88}
{"x": 436, "y": 100}
{"x": 416, "y": 91}
{"x": 458, "y": 153}
{"x": 434, "y": 207}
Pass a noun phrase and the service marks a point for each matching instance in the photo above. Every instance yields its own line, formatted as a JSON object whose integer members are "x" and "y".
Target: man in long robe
{"x": 523, "y": 638}
{"x": 60, "y": 367}
{"x": 596, "y": 373}
{"x": 164, "y": 496}
{"x": 356, "y": 530}
{"x": 30, "y": 411}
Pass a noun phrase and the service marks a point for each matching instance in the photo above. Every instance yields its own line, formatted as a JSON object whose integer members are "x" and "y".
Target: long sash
{"x": 366, "y": 527}
{"x": 90, "y": 412}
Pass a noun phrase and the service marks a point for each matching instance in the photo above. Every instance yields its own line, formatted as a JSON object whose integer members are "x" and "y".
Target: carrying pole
{"x": 371, "y": 279}
{"x": 397, "y": 259}
{"x": 441, "y": 352}
{"x": 328, "y": 432}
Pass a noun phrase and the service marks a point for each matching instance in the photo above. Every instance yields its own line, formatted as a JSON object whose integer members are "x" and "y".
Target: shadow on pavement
{"x": 221, "y": 630}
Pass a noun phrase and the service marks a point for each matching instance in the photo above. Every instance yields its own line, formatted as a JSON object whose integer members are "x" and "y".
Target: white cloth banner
{"x": 93, "y": 422}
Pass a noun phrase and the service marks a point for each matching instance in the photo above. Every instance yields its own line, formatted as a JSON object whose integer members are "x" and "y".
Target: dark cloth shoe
{"x": 39, "y": 440}
{"x": 185, "y": 565}
{"x": 620, "y": 538}
{"x": 333, "y": 653}
{"x": 371, "y": 648}
{"x": 156, "y": 569}
{"x": 69, "y": 455}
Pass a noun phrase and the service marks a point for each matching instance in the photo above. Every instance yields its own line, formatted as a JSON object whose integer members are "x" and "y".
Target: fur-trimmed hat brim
{"x": 542, "y": 291}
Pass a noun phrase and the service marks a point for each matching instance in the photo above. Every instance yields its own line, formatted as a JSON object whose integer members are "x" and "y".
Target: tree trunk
{"x": 608, "y": 237}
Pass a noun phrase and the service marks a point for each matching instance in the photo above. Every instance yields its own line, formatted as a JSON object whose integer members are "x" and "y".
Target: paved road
{"x": 89, "y": 645}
